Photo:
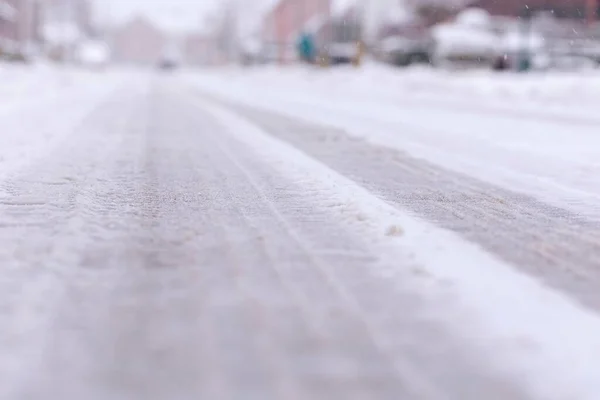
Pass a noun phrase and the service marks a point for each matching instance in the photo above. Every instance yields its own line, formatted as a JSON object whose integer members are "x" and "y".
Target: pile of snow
{"x": 456, "y": 40}
{"x": 93, "y": 53}
{"x": 469, "y": 35}
{"x": 475, "y": 18}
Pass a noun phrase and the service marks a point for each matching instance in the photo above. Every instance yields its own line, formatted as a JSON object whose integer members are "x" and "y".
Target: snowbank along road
{"x": 168, "y": 243}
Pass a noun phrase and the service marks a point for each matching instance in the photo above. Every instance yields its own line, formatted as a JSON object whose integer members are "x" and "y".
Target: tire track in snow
{"x": 45, "y": 218}
{"x": 555, "y": 245}
{"x": 187, "y": 267}
{"x": 402, "y": 352}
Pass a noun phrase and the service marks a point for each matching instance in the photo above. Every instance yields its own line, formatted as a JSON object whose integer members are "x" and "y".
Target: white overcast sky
{"x": 172, "y": 14}
{"x": 180, "y": 15}
{"x": 175, "y": 15}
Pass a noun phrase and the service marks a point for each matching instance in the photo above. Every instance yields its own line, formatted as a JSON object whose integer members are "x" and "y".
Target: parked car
{"x": 343, "y": 48}
{"x": 405, "y": 50}
{"x": 167, "y": 64}
{"x": 468, "y": 41}
{"x": 342, "y": 53}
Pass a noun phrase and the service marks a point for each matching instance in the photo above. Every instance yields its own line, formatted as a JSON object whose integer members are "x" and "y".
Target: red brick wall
{"x": 288, "y": 17}
{"x": 515, "y": 7}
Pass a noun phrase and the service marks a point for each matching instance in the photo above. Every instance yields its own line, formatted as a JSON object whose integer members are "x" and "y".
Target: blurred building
{"x": 285, "y": 20}
{"x": 346, "y": 23}
{"x": 30, "y": 32}
{"x": 227, "y": 35}
{"x": 9, "y": 22}
{"x": 28, "y": 27}
{"x": 199, "y": 49}
{"x": 19, "y": 26}
{"x": 65, "y": 24}
{"x": 576, "y": 9}
{"x": 76, "y": 12}
{"x": 138, "y": 42}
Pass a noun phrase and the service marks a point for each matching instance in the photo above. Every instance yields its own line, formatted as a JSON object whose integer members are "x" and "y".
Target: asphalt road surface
{"x": 153, "y": 255}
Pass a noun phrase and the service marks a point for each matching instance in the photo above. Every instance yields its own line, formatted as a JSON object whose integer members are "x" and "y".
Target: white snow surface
{"x": 526, "y": 133}
{"x": 40, "y": 105}
{"x": 511, "y": 314}
{"x": 536, "y": 133}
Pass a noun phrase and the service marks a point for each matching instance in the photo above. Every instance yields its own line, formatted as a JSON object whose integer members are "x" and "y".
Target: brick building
{"x": 576, "y": 9}
{"x": 286, "y": 19}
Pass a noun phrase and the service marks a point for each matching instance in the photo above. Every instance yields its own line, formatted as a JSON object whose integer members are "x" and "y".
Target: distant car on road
{"x": 167, "y": 64}
{"x": 342, "y": 53}
{"x": 343, "y": 48}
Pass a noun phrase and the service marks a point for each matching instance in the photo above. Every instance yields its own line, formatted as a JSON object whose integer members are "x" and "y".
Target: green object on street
{"x": 306, "y": 47}
{"x": 524, "y": 64}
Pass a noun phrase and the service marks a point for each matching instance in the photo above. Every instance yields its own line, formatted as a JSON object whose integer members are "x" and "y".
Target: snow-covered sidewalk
{"x": 536, "y": 134}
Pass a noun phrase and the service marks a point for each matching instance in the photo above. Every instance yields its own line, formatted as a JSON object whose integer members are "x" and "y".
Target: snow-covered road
{"x": 519, "y": 179}
{"x": 174, "y": 242}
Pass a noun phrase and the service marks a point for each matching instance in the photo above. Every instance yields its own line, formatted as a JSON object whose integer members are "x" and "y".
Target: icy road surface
{"x": 170, "y": 246}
